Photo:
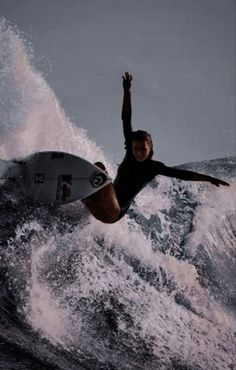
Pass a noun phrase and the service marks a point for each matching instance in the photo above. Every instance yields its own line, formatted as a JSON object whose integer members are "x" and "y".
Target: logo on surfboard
{"x": 39, "y": 178}
{"x": 97, "y": 179}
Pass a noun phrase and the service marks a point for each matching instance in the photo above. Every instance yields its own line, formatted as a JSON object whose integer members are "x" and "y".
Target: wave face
{"x": 154, "y": 291}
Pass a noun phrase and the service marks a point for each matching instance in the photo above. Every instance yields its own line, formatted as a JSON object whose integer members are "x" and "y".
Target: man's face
{"x": 141, "y": 150}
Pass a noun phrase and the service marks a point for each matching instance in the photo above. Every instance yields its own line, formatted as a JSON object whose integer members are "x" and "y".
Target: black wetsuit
{"x": 132, "y": 176}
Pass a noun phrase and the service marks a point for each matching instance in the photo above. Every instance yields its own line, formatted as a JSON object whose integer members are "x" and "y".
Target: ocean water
{"x": 156, "y": 290}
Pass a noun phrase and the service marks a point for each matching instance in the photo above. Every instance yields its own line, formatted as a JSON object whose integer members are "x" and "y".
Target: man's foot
{"x": 101, "y": 166}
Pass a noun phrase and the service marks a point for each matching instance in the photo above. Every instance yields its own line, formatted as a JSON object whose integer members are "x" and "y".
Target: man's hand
{"x": 218, "y": 182}
{"x": 127, "y": 78}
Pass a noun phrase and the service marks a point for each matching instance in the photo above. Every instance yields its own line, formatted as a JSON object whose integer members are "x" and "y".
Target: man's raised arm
{"x": 126, "y": 108}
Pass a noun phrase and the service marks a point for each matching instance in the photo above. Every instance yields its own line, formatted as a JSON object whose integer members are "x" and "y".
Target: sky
{"x": 181, "y": 54}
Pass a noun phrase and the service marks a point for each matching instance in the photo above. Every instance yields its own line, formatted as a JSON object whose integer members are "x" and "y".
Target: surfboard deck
{"x": 52, "y": 177}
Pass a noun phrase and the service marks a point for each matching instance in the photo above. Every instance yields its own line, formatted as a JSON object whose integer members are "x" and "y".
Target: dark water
{"x": 155, "y": 291}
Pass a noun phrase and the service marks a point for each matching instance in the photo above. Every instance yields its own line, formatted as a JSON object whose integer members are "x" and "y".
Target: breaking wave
{"x": 154, "y": 291}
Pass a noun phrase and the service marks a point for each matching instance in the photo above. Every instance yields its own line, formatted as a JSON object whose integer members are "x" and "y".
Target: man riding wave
{"x": 135, "y": 171}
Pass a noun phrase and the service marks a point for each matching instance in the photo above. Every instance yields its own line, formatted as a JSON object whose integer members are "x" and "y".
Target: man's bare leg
{"x": 103, "y": 204}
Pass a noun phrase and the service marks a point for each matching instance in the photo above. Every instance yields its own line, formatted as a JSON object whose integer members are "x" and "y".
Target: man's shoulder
{"x": 157, "y": 163}
{"x": 158, "y": 167}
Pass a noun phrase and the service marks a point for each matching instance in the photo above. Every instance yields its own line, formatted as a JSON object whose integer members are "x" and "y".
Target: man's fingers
{"x": 219, "y": 182}
{"x": 127, "y": 77}
{"x": 224, "y": 183}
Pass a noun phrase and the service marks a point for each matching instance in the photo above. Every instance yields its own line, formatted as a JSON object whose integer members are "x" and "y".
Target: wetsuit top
{"x": 132, "y": 176}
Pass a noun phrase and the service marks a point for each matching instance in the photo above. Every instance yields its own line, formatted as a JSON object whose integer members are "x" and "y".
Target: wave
{"x": 154, "y": 291}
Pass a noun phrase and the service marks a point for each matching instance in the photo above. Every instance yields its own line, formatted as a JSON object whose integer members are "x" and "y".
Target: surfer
{"x": 136, "y": 170}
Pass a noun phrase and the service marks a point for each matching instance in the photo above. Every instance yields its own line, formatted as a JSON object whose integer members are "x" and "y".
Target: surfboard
{"x": 53, "y": 177}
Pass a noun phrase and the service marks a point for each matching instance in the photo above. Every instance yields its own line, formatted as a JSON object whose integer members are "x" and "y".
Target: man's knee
{"x": 114, "y": 215}
{"x": 110, "y": 216}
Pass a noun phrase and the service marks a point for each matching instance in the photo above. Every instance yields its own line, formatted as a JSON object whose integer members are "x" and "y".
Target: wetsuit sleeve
{"x": 183, "y": 174}
{"x": 126, "y": 118}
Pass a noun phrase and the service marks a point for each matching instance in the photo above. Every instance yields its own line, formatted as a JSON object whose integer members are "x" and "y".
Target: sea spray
{"x": 31, "y": 118}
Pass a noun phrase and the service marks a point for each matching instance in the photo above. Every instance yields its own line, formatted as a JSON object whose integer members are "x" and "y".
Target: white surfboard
{"x": 53, "y": 177}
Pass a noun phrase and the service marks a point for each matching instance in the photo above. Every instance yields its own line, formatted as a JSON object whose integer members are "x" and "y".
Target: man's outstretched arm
{"x": 126, "y": 107}
{"x": 190, "y": 176}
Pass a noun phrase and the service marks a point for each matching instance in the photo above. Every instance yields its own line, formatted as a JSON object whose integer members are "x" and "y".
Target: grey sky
{"x": 180, "y": 52}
